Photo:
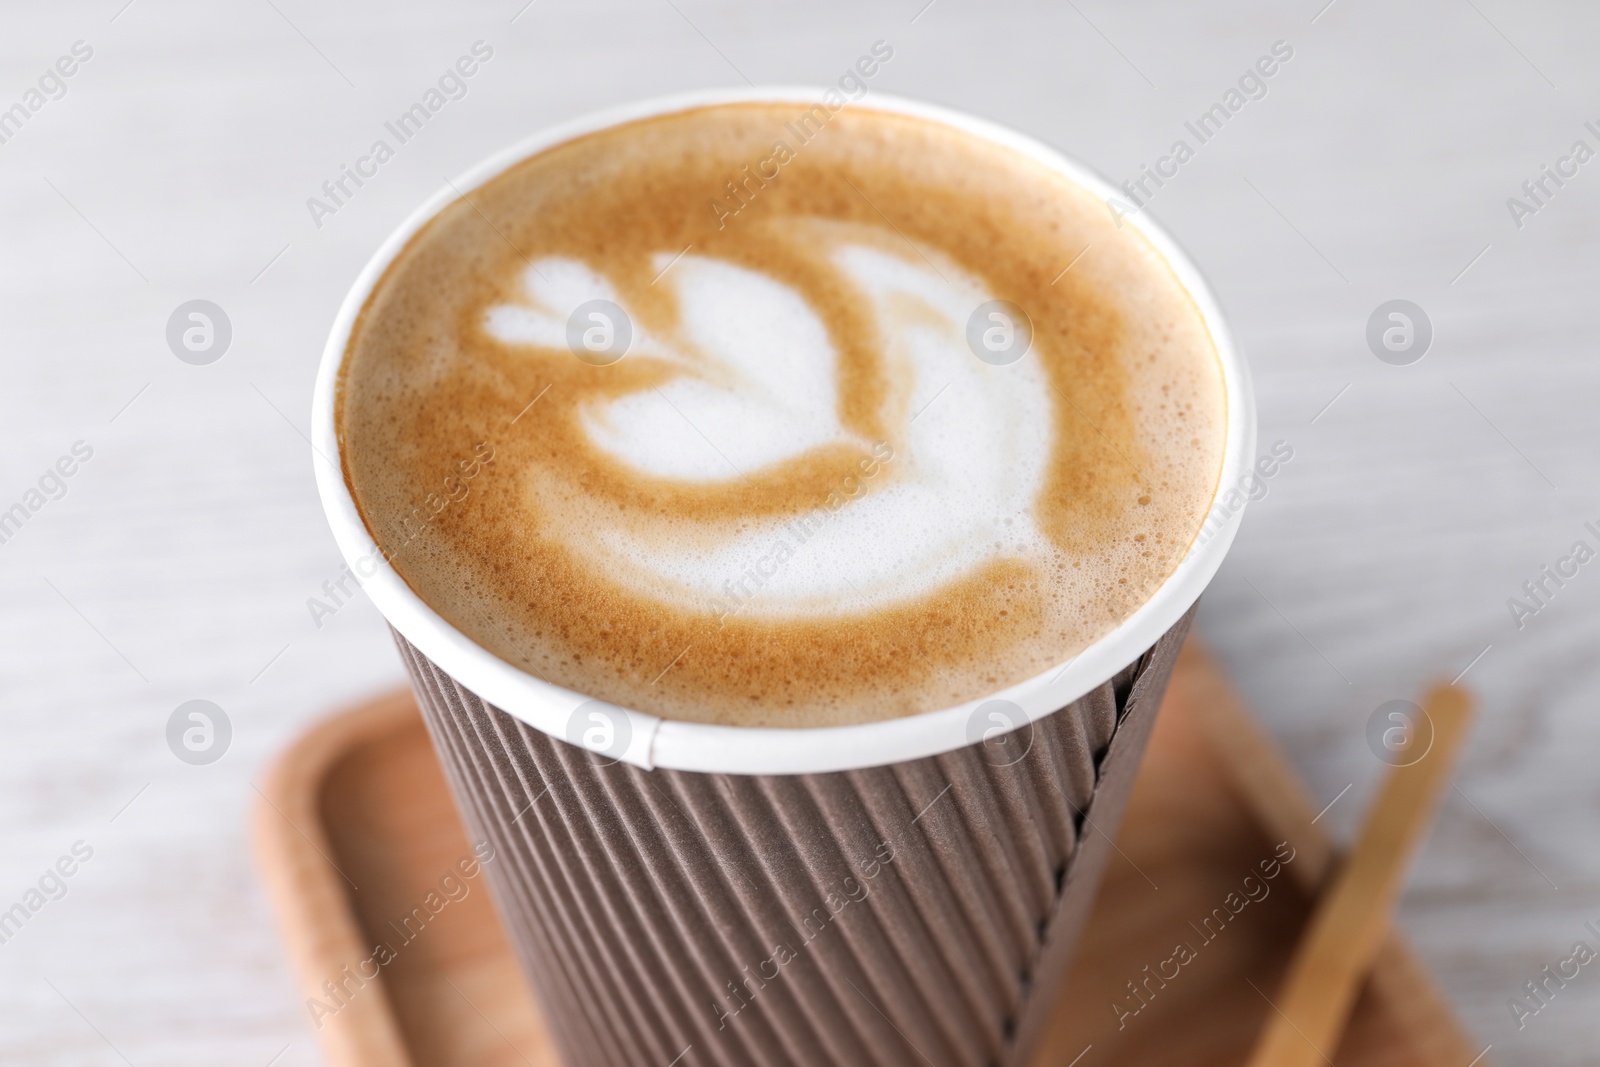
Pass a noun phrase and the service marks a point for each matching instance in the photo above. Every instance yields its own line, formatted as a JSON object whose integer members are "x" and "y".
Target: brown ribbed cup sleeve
{"x": 917, "y": 913}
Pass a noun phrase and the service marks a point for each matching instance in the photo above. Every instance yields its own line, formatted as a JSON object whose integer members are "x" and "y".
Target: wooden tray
{"x": 356, "y": 827}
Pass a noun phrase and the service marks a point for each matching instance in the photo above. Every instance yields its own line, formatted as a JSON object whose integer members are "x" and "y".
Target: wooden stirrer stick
{"x": 1350, "y": 921}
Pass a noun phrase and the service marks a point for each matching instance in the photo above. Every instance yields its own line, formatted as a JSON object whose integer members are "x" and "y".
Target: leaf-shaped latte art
{"x": 757, "y": 384}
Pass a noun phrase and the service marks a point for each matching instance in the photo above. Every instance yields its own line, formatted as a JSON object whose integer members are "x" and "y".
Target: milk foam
{"x": 798, "y": 497}
{"x": 756, "y": 383}
{"x": 759, "y": 371}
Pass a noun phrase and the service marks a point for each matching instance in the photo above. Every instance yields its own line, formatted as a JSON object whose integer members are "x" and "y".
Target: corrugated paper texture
{"x": 919, "y": 913}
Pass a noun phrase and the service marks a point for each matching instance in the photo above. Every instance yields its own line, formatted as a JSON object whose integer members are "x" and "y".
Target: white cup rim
{"x": 655, "y": 742}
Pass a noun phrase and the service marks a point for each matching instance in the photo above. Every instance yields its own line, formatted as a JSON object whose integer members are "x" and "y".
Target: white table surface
{"x": 179, "y": 562}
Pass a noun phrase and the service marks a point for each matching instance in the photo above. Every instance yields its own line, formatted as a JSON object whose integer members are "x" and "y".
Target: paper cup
{"x": 894, "y": 892}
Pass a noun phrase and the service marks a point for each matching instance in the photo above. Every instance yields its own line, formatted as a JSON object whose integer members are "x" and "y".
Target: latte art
{"x": 754, "y": 374}
{"x": 870, "y": 452}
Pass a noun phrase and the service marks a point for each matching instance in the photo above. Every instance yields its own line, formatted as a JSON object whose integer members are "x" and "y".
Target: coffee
{"x": 750, "y": 416}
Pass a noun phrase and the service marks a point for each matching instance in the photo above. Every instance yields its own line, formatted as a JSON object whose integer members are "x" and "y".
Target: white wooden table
{"x": 179, "y": 561}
